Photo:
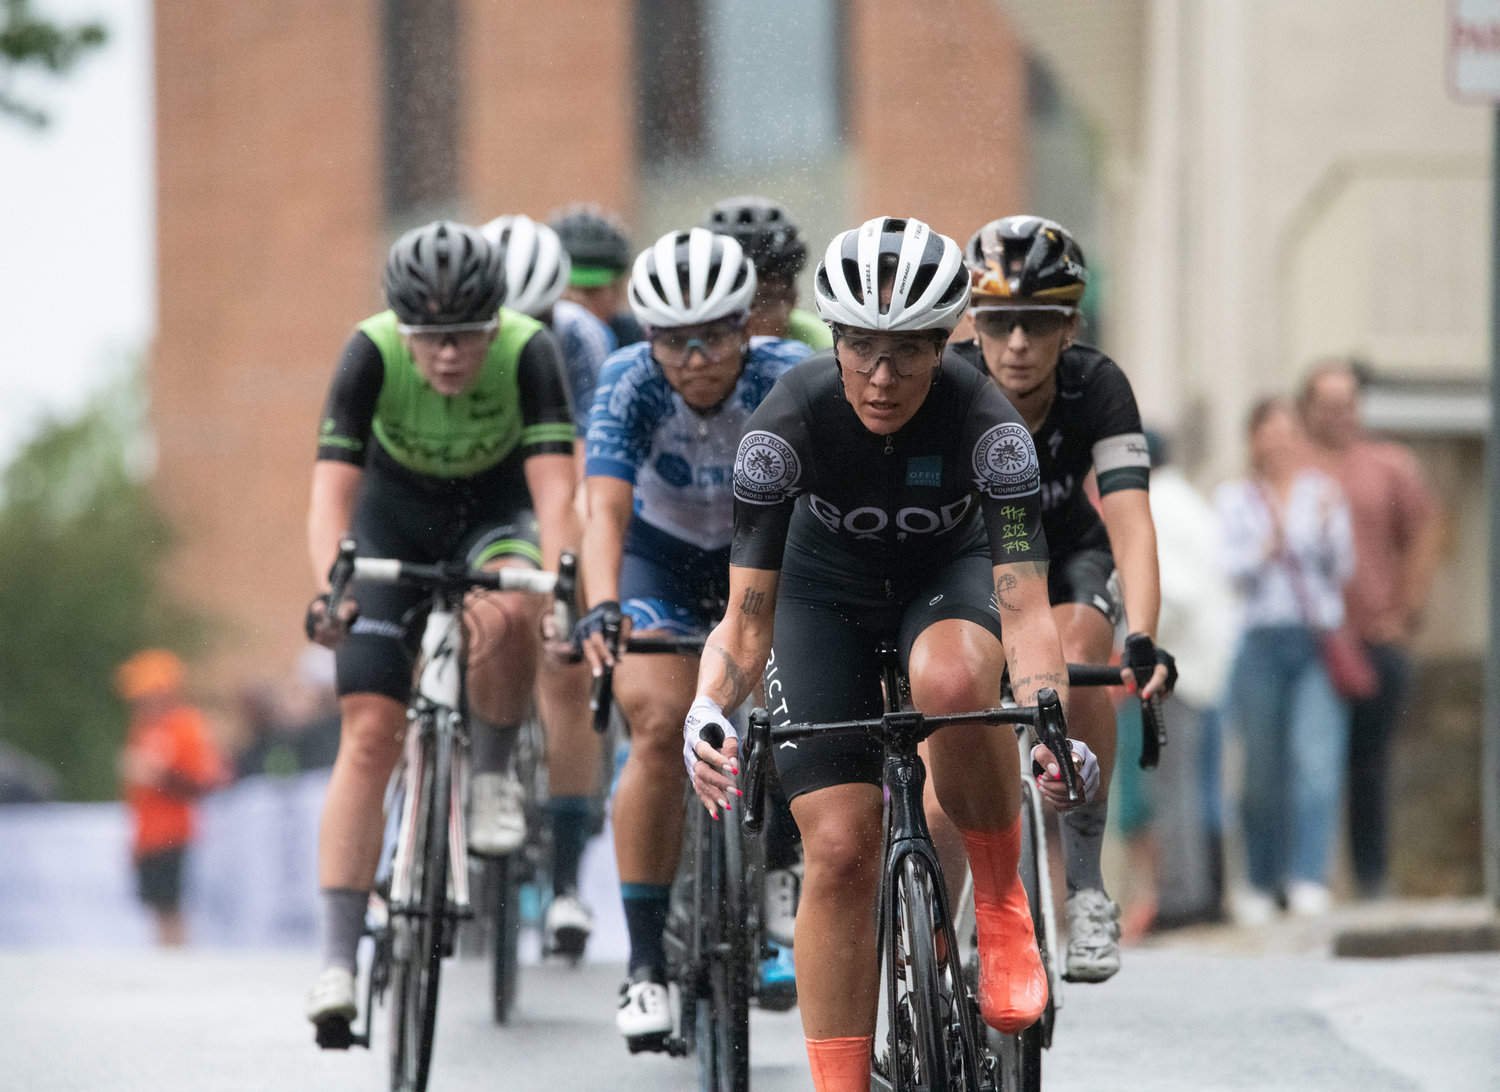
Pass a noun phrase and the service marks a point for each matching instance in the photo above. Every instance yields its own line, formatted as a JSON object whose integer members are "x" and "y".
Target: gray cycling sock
{"x": 343, "y": 925}
{"x": 1082, "y": 831}
{"x": 491, "y": 746}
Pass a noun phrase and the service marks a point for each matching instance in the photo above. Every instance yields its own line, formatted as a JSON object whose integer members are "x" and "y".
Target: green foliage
{"x": 26, "y": 39}
{"x": 81, "y": 548}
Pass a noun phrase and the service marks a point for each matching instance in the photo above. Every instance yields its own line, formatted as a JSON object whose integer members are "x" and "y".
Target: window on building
{"x": 419, "y": 50}
{"x": 739, "y": 84}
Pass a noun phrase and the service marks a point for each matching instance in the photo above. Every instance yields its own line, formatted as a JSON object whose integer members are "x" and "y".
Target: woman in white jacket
{"x": 1287, "y": 550}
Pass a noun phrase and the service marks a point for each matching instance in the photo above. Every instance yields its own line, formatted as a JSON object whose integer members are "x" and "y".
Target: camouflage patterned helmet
{"x": 1028, "y": 258}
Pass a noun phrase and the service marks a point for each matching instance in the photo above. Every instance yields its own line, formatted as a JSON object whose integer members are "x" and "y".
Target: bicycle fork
{"x": 434, "y": 712}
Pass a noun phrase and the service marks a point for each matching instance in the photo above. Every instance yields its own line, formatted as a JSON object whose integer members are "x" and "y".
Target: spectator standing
{"x": 168, "y": 762}
{"x": 1196, "y": 618}
{"x": 1396, "y": 540}
{"x": 1287, "y": 550}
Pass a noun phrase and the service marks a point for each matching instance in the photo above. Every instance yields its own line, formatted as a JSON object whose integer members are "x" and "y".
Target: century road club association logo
{"x": 1005, "y": 462}
{"x": 765, "y": 468}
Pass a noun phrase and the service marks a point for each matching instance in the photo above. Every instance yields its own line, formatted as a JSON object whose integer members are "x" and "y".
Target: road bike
{"x": 713, "y": 938}
{"x": 933, "y": 1039}
{"x": 422, "y": 884}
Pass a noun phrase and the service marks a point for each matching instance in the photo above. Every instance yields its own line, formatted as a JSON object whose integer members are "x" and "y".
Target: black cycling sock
{"x": 645, "y": 918}
{"x": 1082, "y": 831}
{"x": 343, "y": 925}
{"x": 572, "y": 826}
{"x": 491, "y": 746}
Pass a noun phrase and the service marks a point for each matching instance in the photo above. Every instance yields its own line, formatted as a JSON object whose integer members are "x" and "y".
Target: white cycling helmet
{"x": 688, "y": 277}
{"x": 930, "y": 286}
{"x": 536, "y": 265}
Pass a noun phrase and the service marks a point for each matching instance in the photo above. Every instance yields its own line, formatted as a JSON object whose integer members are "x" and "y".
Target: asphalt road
{"x": 1179, "y": 1020}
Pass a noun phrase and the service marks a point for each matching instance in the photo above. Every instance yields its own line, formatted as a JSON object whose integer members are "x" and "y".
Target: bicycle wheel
{"x": 502, "y": 880}
{"x": 724, "y": 1014}
{"x": 419, "y": 928}
{"x": 1021, "y": 1055}
{"x": 920, "y": 1015}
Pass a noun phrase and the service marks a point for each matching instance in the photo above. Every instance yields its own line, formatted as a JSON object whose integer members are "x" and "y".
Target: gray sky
{"x": 77, "y": 234}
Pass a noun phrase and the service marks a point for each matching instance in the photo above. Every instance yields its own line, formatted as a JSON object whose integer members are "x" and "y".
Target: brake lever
{"x": 1052, "y": 732}
{"x": 757, "y": 745}
{"x": 1140, "y": 658}
{"x": 603, "y": 697}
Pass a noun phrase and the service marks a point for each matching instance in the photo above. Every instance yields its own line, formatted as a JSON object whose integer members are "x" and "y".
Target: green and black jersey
{"x": 519, "y": 405}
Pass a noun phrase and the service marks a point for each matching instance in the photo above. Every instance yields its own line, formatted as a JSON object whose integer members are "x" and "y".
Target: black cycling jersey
{"x": 1093, "y": 424}
{"x": 850, "y": 507}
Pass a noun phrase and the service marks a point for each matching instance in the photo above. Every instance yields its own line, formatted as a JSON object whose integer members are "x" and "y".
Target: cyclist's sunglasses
{"x": 715, "y": 341}
{"x": 1040, "y": 321}
{"x": 460, "y": 333}
{"x": 908, "y": 354}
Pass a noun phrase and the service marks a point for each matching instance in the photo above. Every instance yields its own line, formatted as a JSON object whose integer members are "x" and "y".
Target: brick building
{"x": 296, "y": 138}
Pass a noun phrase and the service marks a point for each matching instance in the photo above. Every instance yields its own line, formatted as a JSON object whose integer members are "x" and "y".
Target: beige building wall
{"x": 1288, "y": 180}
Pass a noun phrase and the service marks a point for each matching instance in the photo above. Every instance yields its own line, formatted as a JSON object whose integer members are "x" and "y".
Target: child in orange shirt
{"x": 168, "y": 762}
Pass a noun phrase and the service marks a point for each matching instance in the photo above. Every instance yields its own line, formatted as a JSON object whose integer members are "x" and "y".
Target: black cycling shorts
{"x": 472, "y": 520}
{"x": 1087, "y": 576}
{"x": 824, "y": 664}
{"x": 159, "y": 877}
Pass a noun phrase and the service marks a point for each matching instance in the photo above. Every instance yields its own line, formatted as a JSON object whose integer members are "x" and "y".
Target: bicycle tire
{"x": 1020, "y": 1055}
{"x": 923, "y": 1060}
{"x": 417, "y": 970}
{"x": 503, "y": 897}
{"x": 731, "y": 965}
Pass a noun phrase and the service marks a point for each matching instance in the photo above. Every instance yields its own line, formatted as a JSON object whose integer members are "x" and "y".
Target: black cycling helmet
{"x": 594, "y": 239}
{"x": 765, "y": 230}
{"x": 1026, "y": 257}
{"x": 444, "y": 274}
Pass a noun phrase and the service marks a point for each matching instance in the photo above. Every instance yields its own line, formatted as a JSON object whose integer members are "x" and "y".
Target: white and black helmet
{"x": 688, "y": 277}
{"x": 536, "y": 265}
{"x": 444, "y": 274}
{"x": 930, "y": 285}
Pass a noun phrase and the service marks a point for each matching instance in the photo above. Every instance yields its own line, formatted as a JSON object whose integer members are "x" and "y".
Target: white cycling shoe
{"x": 331, "y": 1008}
{"x": 1093, "y": 936}
{"x": 497, "y": 814}
{"x": 645, "y": 1013}
{"x": 567, "y": 925}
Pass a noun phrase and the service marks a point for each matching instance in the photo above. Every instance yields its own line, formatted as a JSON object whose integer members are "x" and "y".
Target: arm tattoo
{"x": 1045, "y": 678}
{"x": 736, "y": 677}
{"x": 752, "y": 601}
{"x": 1006, "y": 583}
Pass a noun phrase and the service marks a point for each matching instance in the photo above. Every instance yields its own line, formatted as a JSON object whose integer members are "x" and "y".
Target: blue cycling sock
{"x": 572, "y": 826}
{"x": 645, "y": 918}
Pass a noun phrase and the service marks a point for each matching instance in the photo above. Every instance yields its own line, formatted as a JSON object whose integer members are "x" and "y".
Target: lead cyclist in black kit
{"x": 1028, "y": 279}
{"x": 884, "y": 491}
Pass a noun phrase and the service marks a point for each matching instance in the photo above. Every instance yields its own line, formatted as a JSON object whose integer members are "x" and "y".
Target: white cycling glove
{"x": 706, "y": 711}
{"x": 1088, "y": 769}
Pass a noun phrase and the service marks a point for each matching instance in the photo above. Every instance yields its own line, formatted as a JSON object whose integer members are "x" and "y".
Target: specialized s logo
{"x": 765, "y": 468}
{"x": 1005, "y": 462}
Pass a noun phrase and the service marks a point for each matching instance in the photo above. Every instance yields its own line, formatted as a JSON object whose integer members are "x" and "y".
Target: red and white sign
{"x": 1474, "y": 50}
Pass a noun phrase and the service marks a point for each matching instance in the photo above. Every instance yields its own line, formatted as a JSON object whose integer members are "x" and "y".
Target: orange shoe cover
{"x": 840, "y": 1065}
{"x": 1012, "y": 983}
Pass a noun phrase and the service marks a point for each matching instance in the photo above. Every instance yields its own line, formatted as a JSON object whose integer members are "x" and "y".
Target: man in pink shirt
{"x": 1396, "y": 539}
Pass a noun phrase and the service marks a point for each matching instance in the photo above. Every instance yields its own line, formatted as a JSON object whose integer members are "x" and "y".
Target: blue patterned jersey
{"x": 681, "y": 462}
{"x": 585, "y": 343}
